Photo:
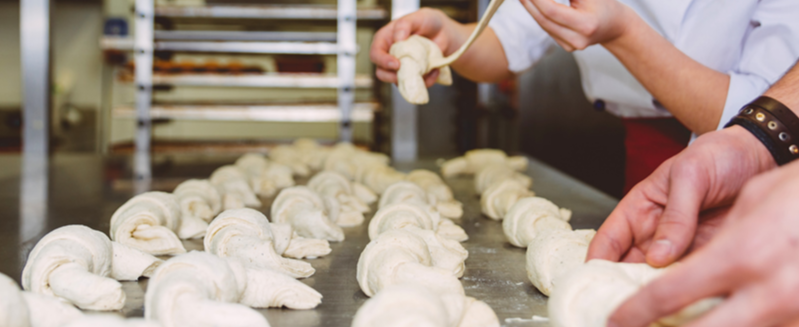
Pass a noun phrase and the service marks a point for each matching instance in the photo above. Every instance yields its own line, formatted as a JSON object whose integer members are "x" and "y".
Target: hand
{"x": 753, "y": 261}
{"x": 430, "y": 23}
{"x": 659, "y": 220}
{"x": 584, "y": 23}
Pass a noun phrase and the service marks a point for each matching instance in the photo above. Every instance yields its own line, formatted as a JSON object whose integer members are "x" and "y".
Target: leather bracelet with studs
{"x": 776, "y": 126}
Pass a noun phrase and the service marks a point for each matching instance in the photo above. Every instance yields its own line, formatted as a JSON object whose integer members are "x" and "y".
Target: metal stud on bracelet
{"x": 773, "y": 124}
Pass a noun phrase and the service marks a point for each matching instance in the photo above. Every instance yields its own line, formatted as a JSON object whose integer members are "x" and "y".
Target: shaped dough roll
{"x": 406, "y": 215}
{"x": 555, "y": 252}
{"x": 198, "y": 198}
{"x": 496, "y": 173}
{"x": 13, "y": 311}
{"x": 497, "y": 200}
{"x": 289, "y": 156}
{"x": 586, "y": 296}
{"x": 343, "y": 205}
{"x": 50, "y": 311}
{"x": 304, "y": 210}
{"x": 311, "y": 153}
{"x": 435, "y": 186}
{"x": 234, "y": 187}
{"x": 402, "y": 305}
{"x": 475, "y": 160}
{"x": 379, "y": 177}
{"x": 529, "y": 217}
{"x": 198, "y": 289}
{"x": 401, "y": 255}
{"x": 73, "y": 262}
{"x": 246, "y": 234}
{"x": 148, "y": 222}
{"x": 416, "y": 54}
{"x": 265, "y": 177}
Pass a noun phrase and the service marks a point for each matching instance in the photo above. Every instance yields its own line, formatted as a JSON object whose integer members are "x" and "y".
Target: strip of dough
{"x": 416, "y": 55}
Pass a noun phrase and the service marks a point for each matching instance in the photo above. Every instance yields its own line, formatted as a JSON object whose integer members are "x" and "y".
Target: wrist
{"x": 623, "y": 32}
{"x": 757, "y": 151}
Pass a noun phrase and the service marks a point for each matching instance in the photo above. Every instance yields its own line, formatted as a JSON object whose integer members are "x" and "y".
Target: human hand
{"x": 753, "y": 261}
{"x": 430, "y": 23}
{"x": 584, "y": 23}
{"x": 659, "y": 220}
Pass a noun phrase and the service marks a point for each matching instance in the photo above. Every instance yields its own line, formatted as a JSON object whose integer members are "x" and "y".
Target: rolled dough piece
{"x": 291, "y": 157}
{"x": 234, "y": 187}
{"x": 304, "y": 209}
{"x": 338, "y": 193}
{"x": 130, "y": 264}
{"x": 198, "y": 289}
{"x": 311, "y": 153}
{"x": 266, "y": 178}
{"x": 475, "y": 160}
{"x": 49, "y": 311}
{"x": 110, "y": 321}
{"x": 434, "y": 185}
{"x": 496, "y": 173}
{"x": 13, "y": 310}
{"x": 379, "y": 177}
{"x": 497, "y": 200}
{"x": 148, "y": 222}
{"x": 416, "y": 55}
{"x": 588, "y": 295}
{"x": 246, "y": 234}
{"x": 402, "y": 305}
{"x": 555, "y": 252}
{"x": 73, "y": 262}
{"x": 530, "y": 216}
{"x": 198, "y": 198}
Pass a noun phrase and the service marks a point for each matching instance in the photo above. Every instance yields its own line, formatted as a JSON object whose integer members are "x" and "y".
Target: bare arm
{"x": 484, "y": 61}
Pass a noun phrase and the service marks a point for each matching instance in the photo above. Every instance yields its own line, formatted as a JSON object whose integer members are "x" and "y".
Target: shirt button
{"x": 599, "y": 105}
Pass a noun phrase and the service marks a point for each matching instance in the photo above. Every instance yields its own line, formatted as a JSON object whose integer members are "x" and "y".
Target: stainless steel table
{"x": 83, "y": 191}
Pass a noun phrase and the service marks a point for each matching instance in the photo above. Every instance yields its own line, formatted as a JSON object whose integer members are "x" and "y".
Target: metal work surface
{"x": 82, "y": 192}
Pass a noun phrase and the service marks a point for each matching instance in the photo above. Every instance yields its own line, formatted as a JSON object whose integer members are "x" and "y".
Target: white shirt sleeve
{"x": 523, "y": 40}
{"x": 770, "y": 49}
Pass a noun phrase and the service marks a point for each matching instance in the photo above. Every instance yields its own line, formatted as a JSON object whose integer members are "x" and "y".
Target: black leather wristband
{"x": 776, "y": 126}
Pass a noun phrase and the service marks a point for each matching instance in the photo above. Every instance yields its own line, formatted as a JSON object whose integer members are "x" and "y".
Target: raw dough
{"x": 73, "y": 262}
{"x": 496, "y": 173}
{"x": 446, "y": 204}
{"x": 412, "y": 214}
{"x": 130, "y": 264}
{"x": 198, "y": 198}
{"x": 235, "y": 189}
{"x": 379, "y": 177}
{"x": 49, "y": 311}
{"x": 586, "y": 296}
{"x": 13, "y": 311}
{"x": 555, "y": 252}
{"x": 338, "y": 193}
{"x": 351, "y": 162}
{"x": 148, "y": 222}
{"x": 311, "y": 153}
{"x": 305, "y": 210}
{"x": 416, "y": 54}
{"x": 475, "y": 160}
{"x": 530, "y": 216}
{"x": 497, "y": 200}
{"x": 110, "y": 321}
{"x": 409, "y": 304}
{"x": 246, "y": 234}
{"x": 266, "y": 178}
{"x": 291, "y": 157}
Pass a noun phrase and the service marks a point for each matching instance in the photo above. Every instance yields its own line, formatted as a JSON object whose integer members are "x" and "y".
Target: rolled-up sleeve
{"x": 523, "y": 40}
{"x": 769, "y": 50}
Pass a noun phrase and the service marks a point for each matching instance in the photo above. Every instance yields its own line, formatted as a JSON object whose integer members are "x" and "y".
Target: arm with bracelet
{"x": 684, "y": 202}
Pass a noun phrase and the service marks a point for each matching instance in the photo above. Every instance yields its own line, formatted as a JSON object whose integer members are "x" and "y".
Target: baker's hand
{"x": 430, "y": 23}
{"x": 584, "y": 23}
{"x": 659, "y": 220}
{"x": 753, "y": 261}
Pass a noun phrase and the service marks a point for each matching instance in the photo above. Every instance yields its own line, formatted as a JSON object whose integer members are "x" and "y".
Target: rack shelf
{"x": 260, "y": 80}
{"x": 361, "y": 112}
{"x": 327, "y": 12}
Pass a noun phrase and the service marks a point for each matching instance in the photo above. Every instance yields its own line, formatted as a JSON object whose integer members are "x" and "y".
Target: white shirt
{"x": 753, "y": 41}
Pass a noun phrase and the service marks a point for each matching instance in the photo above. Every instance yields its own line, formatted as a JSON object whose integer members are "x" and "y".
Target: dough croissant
{"x": 475, "y": 160}
{"x": 530, "y": 217}
{"x": 434, "y": 185}
{"x": 497, "y": 200}
{"x": 379, "y": 177}
{"x": 416, "y": 55}
{"x": 27, "y": 309}
{"x": 200, "y": 289}
{"x": 311, "y": 153}
{"x": 291, "y": 157}
{"x": 247, "y": 234}
{"x": 341, "y": 201}
{"x": 496, "y": 173}
{"x": 304, "y": 210}
{"x": 73, "y": 262}
{"x": 555, "y": 252}
{"x": 148, "y": 222}
{"x": 398, "y": 256}
{"x": 266, "y": 178}
{"x": 198, "y": 198}
{"x": 586, "y": 296}
{"x": 405, "y": 200}
{"x": 234, "y": 187}
{"x": 413, "y": 305}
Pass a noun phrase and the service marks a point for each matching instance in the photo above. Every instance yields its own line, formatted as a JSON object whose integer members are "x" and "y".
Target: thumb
{"x": 688, "y": 186}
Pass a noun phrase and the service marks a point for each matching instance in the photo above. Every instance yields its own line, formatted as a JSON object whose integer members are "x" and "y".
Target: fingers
{"x": 565, "y": 37}
{"x": 563, "y": 15}
{"x": 431, "y": 78}
{"x": 677, "y": 226}
{"x": 635, "y": 255}
{"x": 386, "y": 75}
{"x": 708, "y": 273}
{"x": 745, "y": 308}
{"x": 381, "y": 44}
{"x": 615, "y": 237}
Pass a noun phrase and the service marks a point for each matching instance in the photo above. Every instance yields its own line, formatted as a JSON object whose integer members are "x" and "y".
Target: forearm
{"x": 786, "y": 90}
{"x": 692, "y": 92}
{"x": 485, "y": 60}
